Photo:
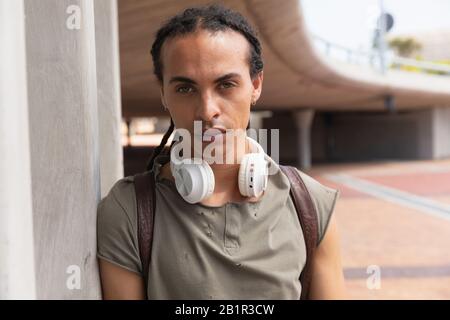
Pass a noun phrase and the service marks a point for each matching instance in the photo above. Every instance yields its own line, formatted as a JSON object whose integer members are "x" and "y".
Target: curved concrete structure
{"x": 296, "y": 75}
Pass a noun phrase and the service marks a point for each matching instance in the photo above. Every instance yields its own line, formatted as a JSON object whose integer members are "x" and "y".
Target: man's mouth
{"x": 210, "y": 134}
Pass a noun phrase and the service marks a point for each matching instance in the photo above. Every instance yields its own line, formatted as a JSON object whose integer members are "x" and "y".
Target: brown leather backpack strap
{"x": 144, "y": 184}
{"x": 308, "y": 220}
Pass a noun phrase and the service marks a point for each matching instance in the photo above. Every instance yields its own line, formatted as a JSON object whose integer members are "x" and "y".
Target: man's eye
{"x": 226, "y": 85}
{"x": 184, "y": 89}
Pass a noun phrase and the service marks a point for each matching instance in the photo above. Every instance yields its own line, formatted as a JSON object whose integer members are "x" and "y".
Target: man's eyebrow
{"x": 228, "y": 76}
{"x": 188, "y": 80}
{"x": 181, "y": 79}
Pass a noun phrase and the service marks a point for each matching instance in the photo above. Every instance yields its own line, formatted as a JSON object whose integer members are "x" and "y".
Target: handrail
{"x": 371, "y": 58}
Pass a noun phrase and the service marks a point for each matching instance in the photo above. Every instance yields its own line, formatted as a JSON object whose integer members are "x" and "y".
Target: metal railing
{"x": 372, "y": 58}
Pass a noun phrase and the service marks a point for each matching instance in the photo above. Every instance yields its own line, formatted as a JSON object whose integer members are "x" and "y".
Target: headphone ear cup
{"x": 210, "y": 180}
{"x": 242, "y": 178}
{"x": 194, "y": 182}
{"x": 253, "y": 175}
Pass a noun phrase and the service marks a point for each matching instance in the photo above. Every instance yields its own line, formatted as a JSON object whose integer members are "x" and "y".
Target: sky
{"x": 349, "y": 22}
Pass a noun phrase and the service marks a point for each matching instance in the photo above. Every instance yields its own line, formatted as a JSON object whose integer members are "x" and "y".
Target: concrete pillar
{"x": 441, "y": 132}
{"x": 303, "y": 120}
{"x": 62, "y": 91}
{"x": 109, "y": 97}
{"x": 17, "y": 279}
{"x": 257, "y": 119}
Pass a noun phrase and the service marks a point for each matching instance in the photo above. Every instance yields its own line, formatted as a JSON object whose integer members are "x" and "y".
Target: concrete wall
{"x": 362, "y": 137}
{"x": 109, "y": 97}
{"x": 62, "y": 90}
{"x": 17, "y": 277}
{"x": 335, "y": 137}
{"x": 421, "y": 134}
{"x": 75, "y": 149}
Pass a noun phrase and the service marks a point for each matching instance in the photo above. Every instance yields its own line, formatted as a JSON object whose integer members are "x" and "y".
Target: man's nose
{"x": 208, "y": 108}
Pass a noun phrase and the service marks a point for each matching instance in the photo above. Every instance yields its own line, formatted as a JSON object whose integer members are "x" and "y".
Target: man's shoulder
{"x": 324, "y": 199}
{"x": 117, "y": 226}
{"x": 316, "y": 188}
{"x": 120, "y": 199}
{"x": 122, "y": 189}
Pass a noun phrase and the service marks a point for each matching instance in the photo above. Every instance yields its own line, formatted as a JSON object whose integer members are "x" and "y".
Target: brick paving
{"x": 411, "y": 248}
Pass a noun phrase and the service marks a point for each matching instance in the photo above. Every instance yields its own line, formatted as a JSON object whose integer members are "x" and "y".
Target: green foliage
{"x": 404, "y": 47}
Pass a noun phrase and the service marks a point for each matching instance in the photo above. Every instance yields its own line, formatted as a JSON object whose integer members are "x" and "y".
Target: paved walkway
{"x": 393, "y": 217}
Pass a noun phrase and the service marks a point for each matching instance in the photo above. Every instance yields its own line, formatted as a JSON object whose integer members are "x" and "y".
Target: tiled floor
{"x": 410, "y": 246}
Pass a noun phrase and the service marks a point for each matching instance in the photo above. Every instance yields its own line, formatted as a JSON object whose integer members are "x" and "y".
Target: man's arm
{"x": 327, "y": 275}
{"x": 119, "y": 283}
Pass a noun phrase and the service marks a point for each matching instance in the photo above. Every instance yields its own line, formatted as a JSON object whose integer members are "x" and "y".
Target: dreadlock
{"x": 161, "y": 146}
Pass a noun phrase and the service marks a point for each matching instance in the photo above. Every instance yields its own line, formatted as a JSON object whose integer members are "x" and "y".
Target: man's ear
{"x": 257, "y": 85}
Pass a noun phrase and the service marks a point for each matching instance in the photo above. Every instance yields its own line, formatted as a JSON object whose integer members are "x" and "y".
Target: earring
{"x": 253, "y": 102}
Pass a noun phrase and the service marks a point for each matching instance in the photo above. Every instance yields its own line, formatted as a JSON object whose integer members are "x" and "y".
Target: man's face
{"x": 207, "y": 78}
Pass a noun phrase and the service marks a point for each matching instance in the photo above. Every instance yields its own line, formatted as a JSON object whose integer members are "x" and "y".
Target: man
{"x": 228, "y": 246}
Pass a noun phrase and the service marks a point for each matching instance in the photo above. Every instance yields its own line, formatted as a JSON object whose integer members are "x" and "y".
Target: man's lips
{"x": 210, "y": 134}
{"x": 213, "y": 131}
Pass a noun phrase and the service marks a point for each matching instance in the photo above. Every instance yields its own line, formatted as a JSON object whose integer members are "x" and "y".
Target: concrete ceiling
{"x": 295, "y": 75}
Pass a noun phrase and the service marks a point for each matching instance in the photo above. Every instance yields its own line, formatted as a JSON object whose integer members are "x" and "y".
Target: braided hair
{"x": 212, "y": 18}
{"x": 161, "y": 146}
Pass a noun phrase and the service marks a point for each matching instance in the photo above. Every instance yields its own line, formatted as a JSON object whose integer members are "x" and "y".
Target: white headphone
{"x": 195, "y": 181}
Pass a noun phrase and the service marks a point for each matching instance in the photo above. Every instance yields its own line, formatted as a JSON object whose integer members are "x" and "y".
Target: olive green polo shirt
{"x": 235, "y": 251}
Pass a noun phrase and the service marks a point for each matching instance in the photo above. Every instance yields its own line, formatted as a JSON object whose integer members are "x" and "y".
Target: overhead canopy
{"x": 295, "y": 75}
